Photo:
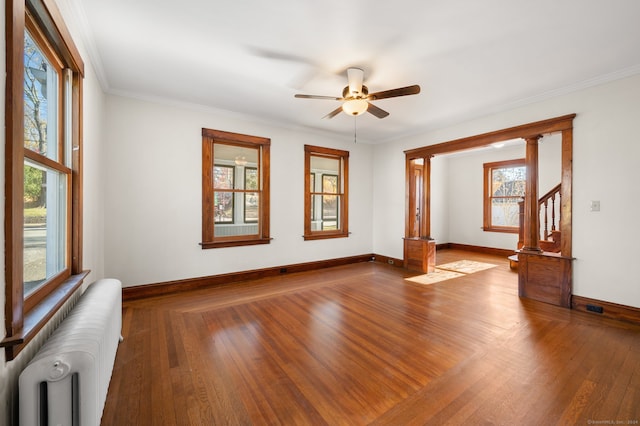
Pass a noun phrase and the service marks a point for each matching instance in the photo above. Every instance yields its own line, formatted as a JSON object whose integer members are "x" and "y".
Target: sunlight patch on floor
{"x": 451, "y": 270}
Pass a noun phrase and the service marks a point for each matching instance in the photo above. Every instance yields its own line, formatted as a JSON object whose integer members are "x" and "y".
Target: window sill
{"x": 505, "y": 230}
{"x": 234, "y": 243}
{"x": 324, "y": 236}
{"x": 37, "y": 318}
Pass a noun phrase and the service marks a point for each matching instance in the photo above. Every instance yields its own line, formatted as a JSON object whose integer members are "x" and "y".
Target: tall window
{"x": 47, "y": 171}
{"x": 43, "y": 169}
{"x": 504, "y": 184}
{"x": 235, "y": 189}
{"x": 326, "y": 193}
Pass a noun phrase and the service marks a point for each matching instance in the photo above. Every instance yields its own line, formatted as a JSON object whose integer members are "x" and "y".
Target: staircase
{"x": 549, "y": 220}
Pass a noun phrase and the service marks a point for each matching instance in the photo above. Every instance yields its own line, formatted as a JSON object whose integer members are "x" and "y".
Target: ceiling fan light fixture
{"x": 355, "y": 106}
{"x": 240, "y": 160}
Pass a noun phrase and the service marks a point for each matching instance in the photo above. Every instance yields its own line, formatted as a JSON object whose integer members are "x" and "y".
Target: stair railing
{"x": 546, "y": 201}
{"x": 546, "y": 207}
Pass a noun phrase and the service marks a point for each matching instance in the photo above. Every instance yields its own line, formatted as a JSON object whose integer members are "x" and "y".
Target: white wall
{"x": 153, "y": 195}
{"x": 93, "y": 194}
{"x": 606, "y": 149}
{"x": 466, "y": 180}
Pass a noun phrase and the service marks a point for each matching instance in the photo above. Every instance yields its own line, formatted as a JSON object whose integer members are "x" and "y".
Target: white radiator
{"x": 67, "y": 381}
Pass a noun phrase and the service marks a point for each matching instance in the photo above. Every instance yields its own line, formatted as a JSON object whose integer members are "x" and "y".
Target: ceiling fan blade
{"x": 279, "y": 55}
{"x": 332, "y": 98}
{"x": 378, "y": 112}
{"x": 393, "y": 93}
{"x": 334, "y": 112}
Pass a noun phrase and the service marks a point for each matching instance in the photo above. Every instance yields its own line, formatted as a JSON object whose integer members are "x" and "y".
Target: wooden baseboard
{"x": 388, "y": 260}
{"x": 168, "y": 287}
{"x": 478, "y": 249}
{"x": 609, "y": 310}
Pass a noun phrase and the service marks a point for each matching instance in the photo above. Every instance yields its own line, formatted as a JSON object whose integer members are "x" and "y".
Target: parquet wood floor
{"x": 359, "y": 344}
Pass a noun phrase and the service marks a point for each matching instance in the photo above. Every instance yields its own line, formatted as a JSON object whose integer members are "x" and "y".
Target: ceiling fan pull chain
{"x": 355, "y": 129}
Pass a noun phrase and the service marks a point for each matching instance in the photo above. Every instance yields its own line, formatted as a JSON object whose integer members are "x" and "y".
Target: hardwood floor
{"x": 358, "y": 344}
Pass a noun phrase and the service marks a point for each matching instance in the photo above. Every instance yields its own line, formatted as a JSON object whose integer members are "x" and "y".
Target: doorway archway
{"x": 540, "y": 275}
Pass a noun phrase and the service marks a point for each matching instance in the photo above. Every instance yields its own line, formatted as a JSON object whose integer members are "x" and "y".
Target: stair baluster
{"x": 545, "y": 232}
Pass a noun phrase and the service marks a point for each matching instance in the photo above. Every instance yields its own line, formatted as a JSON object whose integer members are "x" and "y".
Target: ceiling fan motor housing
{"x": 348, "y": 95}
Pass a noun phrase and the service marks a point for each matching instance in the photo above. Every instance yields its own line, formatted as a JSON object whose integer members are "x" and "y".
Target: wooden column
{"x": 419, "y": 247}
{"x": 425, "y": 230}
{"x": 531, "y": 225}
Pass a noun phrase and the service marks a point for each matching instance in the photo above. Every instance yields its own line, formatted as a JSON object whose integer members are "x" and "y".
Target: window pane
{"x": 235, "y": 156}
{"x": 330, "y": 212}
{"x": 505, "y": 212}
{"x": 508, "y": 182}
{"x": 223, "y": 177}
{"x": 67, "y": 113}
{"x": 40, "y": 101}
{"x": 330, "y": 184}
{"x": 251, "y": 206}
{"x": 223, "y": 207}
{"x": 325, "y": 165}
{"x": 233, "y": 230}
{"x": 45, "y": 213}
{"x": 247, "y": 220}
{"x": 250, "y": 178}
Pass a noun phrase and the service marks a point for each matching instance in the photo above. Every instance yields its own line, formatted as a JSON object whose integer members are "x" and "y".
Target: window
{"x": 235, "y": 189}
{"x": 46, "y": 171}
{"x": 504, "y": 184}
{"x": 43, "y": 241}
{"x": 326, "y": 193}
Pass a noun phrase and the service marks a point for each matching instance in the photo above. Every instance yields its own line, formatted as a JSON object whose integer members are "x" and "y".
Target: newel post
{"x": 531, "y": 225}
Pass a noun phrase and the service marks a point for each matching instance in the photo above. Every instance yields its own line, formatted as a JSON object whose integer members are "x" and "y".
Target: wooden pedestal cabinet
{"x": 420, "y": 254}
{"x": 545, "y": 277}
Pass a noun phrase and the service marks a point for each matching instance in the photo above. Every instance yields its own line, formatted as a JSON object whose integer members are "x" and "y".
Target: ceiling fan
{"x": 357, "y": 99}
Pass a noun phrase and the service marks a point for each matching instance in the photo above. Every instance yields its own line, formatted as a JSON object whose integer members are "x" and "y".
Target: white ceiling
{"x": 250, "y": 57}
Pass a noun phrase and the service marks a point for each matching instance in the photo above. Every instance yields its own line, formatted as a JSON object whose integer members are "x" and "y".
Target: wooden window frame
{"x": 342, "y": 194}
{"x": 488, "y": 168}
{"x": 209, "y": 138}
{"x": 25, "y": 317}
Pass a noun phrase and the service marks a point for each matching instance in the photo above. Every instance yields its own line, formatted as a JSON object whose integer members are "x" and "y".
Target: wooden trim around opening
{"x": 262, "y": 145}
{"x": 168, "y": 287}
{"x": 551, "y": 125}
{"x": 609, "y": 309}
{"x": 342, "y": 194}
